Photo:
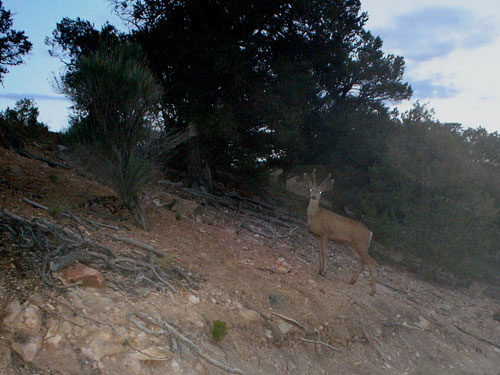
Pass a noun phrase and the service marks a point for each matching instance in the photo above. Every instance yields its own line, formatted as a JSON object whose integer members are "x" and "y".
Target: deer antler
{"x": 314, "y": 177}
{"x": 327, "y": 179}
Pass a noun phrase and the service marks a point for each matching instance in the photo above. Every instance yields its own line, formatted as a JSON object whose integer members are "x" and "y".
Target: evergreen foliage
{"x": 13, "y": 44}
{"x": 116, "y": 96}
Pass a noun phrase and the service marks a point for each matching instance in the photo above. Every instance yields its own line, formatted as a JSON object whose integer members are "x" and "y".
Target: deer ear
{"x": 307, "y": 180}
{"x": 327, "y": 185}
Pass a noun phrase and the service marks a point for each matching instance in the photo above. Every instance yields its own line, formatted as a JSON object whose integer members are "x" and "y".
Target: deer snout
{"x": 314, "y": 197}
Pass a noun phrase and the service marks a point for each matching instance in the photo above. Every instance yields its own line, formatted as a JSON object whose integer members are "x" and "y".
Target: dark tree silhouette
{"x": 13, "y": 44}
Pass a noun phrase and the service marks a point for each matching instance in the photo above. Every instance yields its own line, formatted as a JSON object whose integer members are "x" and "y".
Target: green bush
{"x": 496, "y": 316}
{"x": 116, "y": 97}
{"x": 219, "y": 330}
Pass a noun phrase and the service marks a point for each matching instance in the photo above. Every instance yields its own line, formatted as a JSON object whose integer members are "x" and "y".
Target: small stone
{"x": 397, "y": 258}
{"x": 89, "y": 277}
{"x": 268, "y": 334}
{"x": 284, "y": 328}
{"x": 249, "y": 315}
{"x": 194, "y": 299}
{"x": 423, "y": 323}
{"x": 176, "y": 368}
{"x": 13, "y": 310}
{"x": 28, "y": 348}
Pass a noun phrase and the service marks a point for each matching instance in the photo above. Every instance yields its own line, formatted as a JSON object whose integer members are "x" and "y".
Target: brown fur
{"x": 339, "y": 229}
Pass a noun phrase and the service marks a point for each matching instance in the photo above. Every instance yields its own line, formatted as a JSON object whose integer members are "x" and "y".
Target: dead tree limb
{"x": 320, "y": 343}
{"x": 136, "y": 243}
{"x": 171, "y": 330}
{"x": 289, "y": 320}
{"x": 477, "y": 337}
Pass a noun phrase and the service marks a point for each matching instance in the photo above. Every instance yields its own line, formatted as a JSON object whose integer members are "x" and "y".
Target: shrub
{"x": 219, "y": 330}
{"x": 116, "y": 98}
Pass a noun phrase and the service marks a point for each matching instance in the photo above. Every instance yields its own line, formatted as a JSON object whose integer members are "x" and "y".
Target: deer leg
{"x": 356, "y": 275}
{"x": 323, "y": 244}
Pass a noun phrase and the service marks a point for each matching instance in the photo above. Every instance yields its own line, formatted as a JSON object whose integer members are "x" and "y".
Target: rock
{"x": 284, "y": 327}
{"x": 268, "y": 334}
{"x": 99, "y": 348}
{"x": 54, "y": 358}
{"x": 31, "y": 319}
{"x": 193, "y": 299}
{"x": 423, "y": 323}
{"x": 89, "y": 277}
{"x": 13, "y": 310}
{"x": 184, "y": 207}
{"x": 153, "y": 353}
{"x": 281, "y": 266}
{"x": 53, "y": 337}
{"x": 102, "y": 343}
{"x": 397, "y": 258}
{"x": 27, "y": 346}
{"x": 249, "y": 315}
{"x": 25, "y": 318}
{"x": 176, "y": 368}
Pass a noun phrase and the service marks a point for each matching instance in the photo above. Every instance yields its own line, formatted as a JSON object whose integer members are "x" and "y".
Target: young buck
{"x": 330, "y": 226}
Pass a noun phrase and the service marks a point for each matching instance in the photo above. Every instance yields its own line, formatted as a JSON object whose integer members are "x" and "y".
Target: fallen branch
{"x": 320, "y": 343}
{"x": 79, "y": 219}
{"x": 136, "y": 243}
{"x": 56, "y": 247}
{"x": 171, "y": 330}
{"x": 477, "y": 337}
{"x": 289, "y": 320}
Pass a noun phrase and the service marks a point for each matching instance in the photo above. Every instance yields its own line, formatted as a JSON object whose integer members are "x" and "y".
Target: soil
{"x": 282, "y": 317}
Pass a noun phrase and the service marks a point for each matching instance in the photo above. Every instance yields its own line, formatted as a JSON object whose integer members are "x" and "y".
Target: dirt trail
{"x": 282, "y": 317}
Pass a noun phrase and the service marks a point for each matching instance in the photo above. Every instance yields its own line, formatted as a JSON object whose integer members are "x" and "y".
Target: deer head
{"x": 314, "y": 189}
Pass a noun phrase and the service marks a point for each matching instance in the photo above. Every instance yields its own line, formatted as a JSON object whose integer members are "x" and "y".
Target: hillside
{"x": 282, "y": 317}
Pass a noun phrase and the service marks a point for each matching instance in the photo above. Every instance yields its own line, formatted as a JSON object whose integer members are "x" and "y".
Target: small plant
{"x": 219, "y": 330}
{"x": 178, "y": 215}
{"x": 276, "y": 300}
{"x": 53, "y": 178}
{"x": 496, "y": 316}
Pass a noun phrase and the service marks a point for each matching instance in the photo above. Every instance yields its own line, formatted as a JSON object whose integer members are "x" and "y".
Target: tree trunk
{"x": 199, "y": 173}
{"x": 137, "y": 210}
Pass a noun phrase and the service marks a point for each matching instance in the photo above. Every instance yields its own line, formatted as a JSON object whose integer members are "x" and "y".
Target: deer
{"x": 339, "y": 229}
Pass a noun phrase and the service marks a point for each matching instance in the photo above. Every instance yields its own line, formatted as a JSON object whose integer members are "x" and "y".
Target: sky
{"x": 451, "y": 49}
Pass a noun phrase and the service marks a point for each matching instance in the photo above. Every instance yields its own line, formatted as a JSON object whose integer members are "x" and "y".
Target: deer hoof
{"x": 352, "y": 281}
{"x": 372, "y": 293}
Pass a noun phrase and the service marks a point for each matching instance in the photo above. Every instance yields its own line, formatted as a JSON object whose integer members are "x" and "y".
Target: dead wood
{"x": 290, "y": 320}
{"x": 320, "y": 343}
{"x": 477, "y": 337}
{"x": 130, "y": 241}
{"x": 172, "y": 331}
{"x": 51, "y": 247}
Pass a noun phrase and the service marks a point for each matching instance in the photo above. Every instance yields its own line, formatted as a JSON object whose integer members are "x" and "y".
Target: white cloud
{"x": 451, "y": 56}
